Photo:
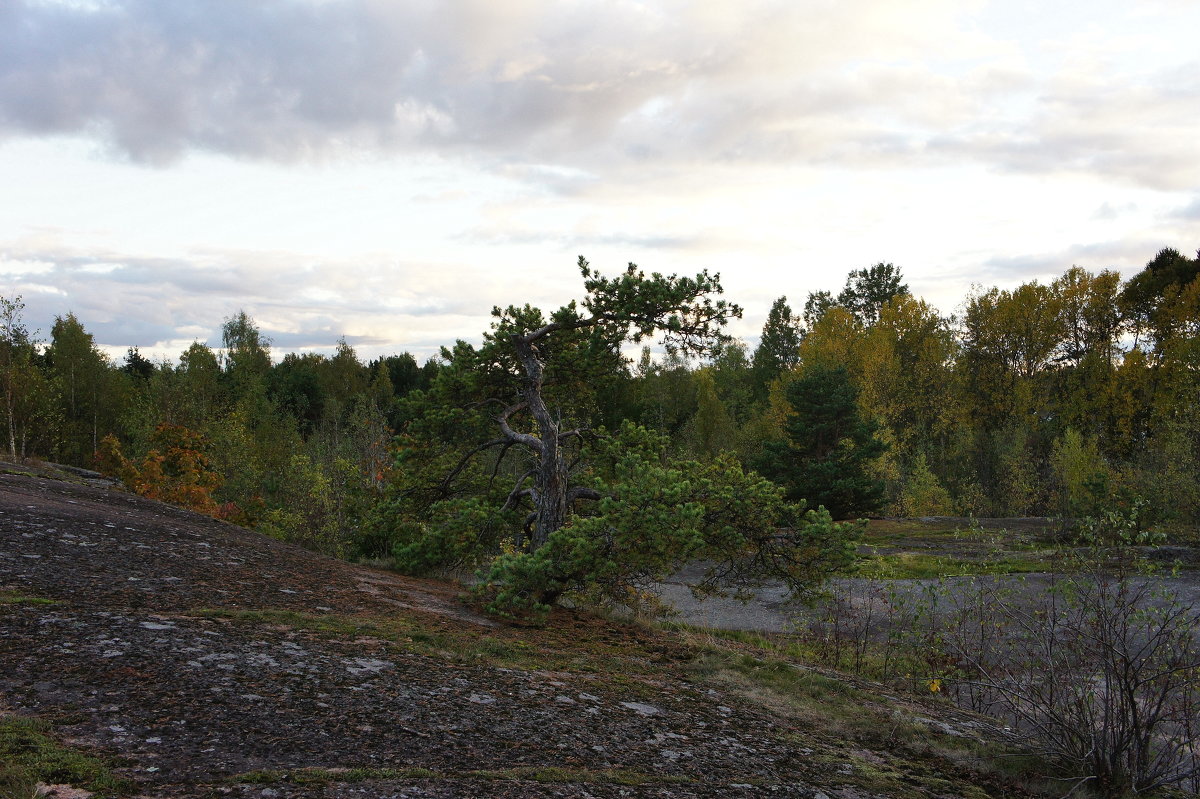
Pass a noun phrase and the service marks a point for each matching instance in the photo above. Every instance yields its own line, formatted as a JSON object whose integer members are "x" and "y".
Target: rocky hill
{"x": 149, "y": 651}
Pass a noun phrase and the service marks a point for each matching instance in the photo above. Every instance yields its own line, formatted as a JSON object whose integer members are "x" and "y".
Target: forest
{"x": 1058, "y": 399}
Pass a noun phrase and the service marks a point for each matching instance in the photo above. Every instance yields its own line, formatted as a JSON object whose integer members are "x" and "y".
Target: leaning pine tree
{"x": 551, "y": 505}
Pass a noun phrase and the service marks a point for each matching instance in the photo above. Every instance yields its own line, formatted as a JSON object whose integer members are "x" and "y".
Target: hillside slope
{"x": 201, "y": 659}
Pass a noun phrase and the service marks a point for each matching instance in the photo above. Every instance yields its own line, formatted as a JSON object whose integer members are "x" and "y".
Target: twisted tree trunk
{"x": 551, "y": 486}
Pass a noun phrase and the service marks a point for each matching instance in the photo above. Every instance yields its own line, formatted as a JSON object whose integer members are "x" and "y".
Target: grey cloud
{"x": 513, "y": 82}
{"x": 140, "y": 301}
{"x": 592, "y": 89}
{"x": 318, "y": 338}
{"x": 1142, "y": 132}
{"x": 1126, "y": 256}
{"x": 1191, "y": 211}
{"x": 257, "y": 78}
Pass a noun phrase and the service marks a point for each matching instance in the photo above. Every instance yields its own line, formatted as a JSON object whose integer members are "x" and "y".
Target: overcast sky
{"x": 389, "y": 171}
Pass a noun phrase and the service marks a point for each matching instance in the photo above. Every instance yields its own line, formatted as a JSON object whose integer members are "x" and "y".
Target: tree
{"x": 647, "y": 514}
{"x": 655, "y": 516}
{"x": 865, "y": 293}
{"x": 824, "y": 459}
{"x": 29, "y": 412}
{"x": 199, "y": 378}
{"x": 137, "y": 366}
{"x": 89, "y": 400}
{"x": 816, "y": 305}
{"x": 711, "y": 430}
{"x": 734, "y": 380}
{"x": 630, "y": 307}
{"x": 779, "y": 348}
{"x": 14, "y": 349}
{"x": 247, "y": 351}
{"x": 867, "y": 290}
{"x": 1143, "y": 297}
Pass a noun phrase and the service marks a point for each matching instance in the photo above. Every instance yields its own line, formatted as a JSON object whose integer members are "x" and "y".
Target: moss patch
{"x": 920, "y": 566}
{"x": 16, "y": 598}
{"x": 30, "y": 753}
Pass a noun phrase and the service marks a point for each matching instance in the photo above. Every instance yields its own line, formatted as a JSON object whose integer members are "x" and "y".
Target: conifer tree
{"x": 829, "y": 446}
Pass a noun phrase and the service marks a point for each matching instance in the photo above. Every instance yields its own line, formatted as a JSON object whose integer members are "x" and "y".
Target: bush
{"x": 1101, "y": 670}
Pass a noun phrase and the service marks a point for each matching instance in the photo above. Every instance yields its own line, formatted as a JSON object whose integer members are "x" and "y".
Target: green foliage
{"x": 865, "y": 293}
{"x": 923, "y": 495}
{"x": 1121, "y": 526}
{"x": 29, "y": 411}
{"x": 779, "y": 348}
{"x": 1148, "y": 297}
{"x": 89, "y": 394}
{"x": 459, "y": 533}
{"x": 655, "y": 516}
{"x": 1083, "y": 476}
{"x": 1040, "y": 399}
{"x": 247, "y": 356}
{"x": 868, "y": 290}
{"x": 829, "y": 446}
{"x": 711, "y": 430}
{"x": 313, "y": 508}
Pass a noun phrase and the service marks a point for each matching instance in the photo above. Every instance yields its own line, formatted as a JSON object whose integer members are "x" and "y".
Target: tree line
{"x": 1048, "y": 399}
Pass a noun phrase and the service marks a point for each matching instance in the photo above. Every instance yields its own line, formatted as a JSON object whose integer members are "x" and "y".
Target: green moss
{"x": 900, "y": 778}
{"x": 920, "y": 566}
{"x": 322, "y": 776}
{"x": 30, "y": 753}
{"x": 14, "y": 598}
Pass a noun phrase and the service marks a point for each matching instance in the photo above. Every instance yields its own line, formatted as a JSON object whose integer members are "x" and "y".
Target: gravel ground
{"x": 772, "y": 611}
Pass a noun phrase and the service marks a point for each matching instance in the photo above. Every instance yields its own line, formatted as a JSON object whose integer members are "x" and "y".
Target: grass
{"x": 899, "y": 755}
{"x": 921, "y": 566}
{"x": 579, "y": 643}
{"x": 29, "y": 754}
{"x": 15, "y": 598}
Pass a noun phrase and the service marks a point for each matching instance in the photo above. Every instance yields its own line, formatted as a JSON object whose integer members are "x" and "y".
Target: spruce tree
{"x": 829, "y": 445}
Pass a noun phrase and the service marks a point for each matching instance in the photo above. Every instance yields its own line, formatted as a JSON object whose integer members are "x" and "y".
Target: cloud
{"x": 381, "y": 306}
{"x": 585, "y": 86}
{"x": 1191, "y": 211}
{"x": 1126, "y": 256}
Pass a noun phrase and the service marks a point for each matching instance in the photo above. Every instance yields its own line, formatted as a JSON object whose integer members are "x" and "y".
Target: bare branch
{"x": 583, "y": 492}
{"x": 518, "y": 492}
{"x": 462, "y": 463}
{"x": 533, "y": 442}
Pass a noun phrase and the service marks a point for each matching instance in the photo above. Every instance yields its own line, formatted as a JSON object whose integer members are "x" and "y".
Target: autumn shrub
{"x": 177, "y": 468}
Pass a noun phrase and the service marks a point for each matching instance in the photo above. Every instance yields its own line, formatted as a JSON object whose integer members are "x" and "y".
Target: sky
{"x": 387, "y": 172}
